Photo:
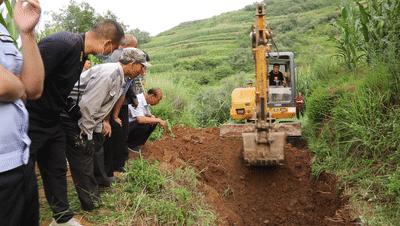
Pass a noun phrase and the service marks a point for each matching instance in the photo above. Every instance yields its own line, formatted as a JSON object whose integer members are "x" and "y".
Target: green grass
{"x": 353, "y": 129}
{"x": 147, "y": 195}
{"x": 152, "y": 196}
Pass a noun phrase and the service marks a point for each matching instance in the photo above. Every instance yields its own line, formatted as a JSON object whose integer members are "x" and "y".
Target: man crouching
{"x": 90, "y": 102}
{"x": 141, "y": 122}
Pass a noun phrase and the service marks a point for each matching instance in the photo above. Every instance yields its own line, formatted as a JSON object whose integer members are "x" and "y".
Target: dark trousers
{"x": 80, "y": 155}
{"x": 19, "y": 202}
{"x": 139, "y": 133}
{"x": 299, "y": 111}
{"x": 48, "y": 148}
{"x": 115, "y": 147}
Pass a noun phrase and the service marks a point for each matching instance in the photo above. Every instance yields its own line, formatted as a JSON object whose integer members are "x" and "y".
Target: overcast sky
{"x": 157, "y": 15}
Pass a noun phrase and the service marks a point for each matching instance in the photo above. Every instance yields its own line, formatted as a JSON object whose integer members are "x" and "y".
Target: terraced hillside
{"x": 213, "y": 56}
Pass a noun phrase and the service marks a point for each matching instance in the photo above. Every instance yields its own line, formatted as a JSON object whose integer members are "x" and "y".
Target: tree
{"x": 110, "y": 15}
{"x": 141, "y": 36}
{"x": 80, "y": 17}
{"x": 74, "y": 18}
{"x": 77, "y": 18}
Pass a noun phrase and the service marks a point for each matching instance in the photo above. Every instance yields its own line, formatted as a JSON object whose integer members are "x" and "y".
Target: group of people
{"x": 55, "y": 107}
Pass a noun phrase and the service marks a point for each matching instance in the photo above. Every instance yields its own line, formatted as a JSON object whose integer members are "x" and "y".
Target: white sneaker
{"x": 71, "y": 222}
{"x": 136, "y": 150}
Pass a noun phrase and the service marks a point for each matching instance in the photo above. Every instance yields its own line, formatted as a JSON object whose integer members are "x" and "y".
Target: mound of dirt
{"x": 243, "y": 195}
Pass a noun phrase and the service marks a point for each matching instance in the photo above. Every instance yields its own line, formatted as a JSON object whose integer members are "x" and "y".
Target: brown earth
{"x": 243, "y": 195}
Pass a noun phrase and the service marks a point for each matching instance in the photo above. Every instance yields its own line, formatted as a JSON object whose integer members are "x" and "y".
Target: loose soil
{"x": 243, "y": 195}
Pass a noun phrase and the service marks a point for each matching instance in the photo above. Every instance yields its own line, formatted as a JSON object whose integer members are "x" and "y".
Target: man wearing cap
{"x": 95, "y": 93}
{"x": 115, "y": 144}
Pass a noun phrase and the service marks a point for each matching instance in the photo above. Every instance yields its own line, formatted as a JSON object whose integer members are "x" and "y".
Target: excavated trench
{"x": 242, "y": 195}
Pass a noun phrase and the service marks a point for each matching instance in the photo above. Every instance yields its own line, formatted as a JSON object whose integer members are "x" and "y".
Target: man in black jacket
{"x": 275, "y": 76}
{"x": 64, "y": 55}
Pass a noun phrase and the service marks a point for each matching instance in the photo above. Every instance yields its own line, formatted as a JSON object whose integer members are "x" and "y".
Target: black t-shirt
{"x": 63, "y": 60}
{"x": 273, "y": 77}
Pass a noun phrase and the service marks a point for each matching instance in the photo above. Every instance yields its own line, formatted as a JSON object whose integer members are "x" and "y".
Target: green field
{"x": 199, "y": 63}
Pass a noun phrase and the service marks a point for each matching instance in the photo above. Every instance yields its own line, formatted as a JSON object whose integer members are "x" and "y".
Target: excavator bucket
{"x": 264, "y": 154}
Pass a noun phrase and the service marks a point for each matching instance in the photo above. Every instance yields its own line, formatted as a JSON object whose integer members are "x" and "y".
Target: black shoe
{"x": 120, "y": 169}
{"x": 105, "y": 181}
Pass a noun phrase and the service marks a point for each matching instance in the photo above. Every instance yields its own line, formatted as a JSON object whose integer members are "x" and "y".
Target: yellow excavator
{"x": 268, "y": 110}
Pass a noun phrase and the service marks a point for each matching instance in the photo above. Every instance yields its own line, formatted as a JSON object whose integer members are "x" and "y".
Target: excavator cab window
{"x": 280, "y": 93}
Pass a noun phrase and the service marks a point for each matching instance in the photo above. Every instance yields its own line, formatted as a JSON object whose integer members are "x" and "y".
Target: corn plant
{"x": 6, "y": 19}
{"x": 369, "y": 28}
{"x": 348, "y": 43}
{"x": 380, "y": 25}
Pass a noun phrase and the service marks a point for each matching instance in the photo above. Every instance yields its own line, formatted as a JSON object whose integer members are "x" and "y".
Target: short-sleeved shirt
{"x": 273, "y": 77}
{"x": 14, "y": 141}
{"x": 143, "y": 109}
{"x": 63, "y": 59}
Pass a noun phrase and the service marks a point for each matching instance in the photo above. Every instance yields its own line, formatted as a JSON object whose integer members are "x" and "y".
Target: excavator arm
{"x": 262, "y": 146}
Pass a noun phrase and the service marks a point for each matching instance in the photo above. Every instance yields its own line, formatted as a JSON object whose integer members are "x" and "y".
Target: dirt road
{"x": 243, "y": 195}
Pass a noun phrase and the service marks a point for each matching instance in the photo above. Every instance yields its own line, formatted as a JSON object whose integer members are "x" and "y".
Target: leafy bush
{"x": 223, "y": 71}
{"x": 289, "y": 24}
{"x": 141, "y": 174}
{"x": 199, "y": 64}
{"x": 242, "y": 60}
{"x": 177, "y": 96}
{"x": 319, "y": 105}
{"x": 142, "y": 36}
{"x": 212, "y": 105}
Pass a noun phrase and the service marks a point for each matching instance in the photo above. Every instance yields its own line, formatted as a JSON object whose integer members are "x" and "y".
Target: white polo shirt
{"x": 143, "y": 109}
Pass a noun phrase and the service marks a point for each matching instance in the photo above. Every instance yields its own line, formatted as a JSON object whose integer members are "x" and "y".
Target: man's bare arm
{"x": 32, "y": 74}
{"x": 11, "y": 87}
{"x": 150, "y": 120}
{"x": 117, "y": 109}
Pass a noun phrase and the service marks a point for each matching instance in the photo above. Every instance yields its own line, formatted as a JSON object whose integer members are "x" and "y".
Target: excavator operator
{"x": 275, "y": 76}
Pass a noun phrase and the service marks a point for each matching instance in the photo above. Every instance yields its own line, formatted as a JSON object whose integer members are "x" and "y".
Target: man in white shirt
{"x": 95, "y": 93}
{"x": 141, "y": 122}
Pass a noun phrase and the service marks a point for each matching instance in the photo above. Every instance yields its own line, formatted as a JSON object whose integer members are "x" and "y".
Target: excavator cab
{"x": 281, "y": 97}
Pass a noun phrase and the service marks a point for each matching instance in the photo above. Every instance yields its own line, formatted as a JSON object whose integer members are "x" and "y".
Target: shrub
{"x": 199, "y": 64}
{"x": 212, "y": 105}
{"x": 319, "y": 105}
{"x": 223, "y": 71}
{"x": 242, "y": 60}
{"x": 143, "y": 175}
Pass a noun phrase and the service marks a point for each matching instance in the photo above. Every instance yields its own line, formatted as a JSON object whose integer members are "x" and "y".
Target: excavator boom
{"x": 262, "y": 146}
